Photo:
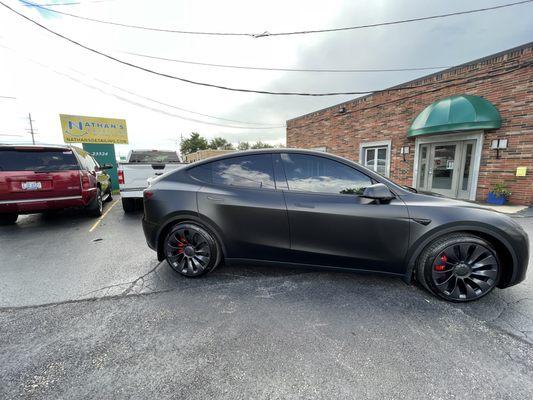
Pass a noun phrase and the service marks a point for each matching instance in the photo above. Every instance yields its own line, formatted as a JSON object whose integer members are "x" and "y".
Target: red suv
{"x": 38, "y": 178}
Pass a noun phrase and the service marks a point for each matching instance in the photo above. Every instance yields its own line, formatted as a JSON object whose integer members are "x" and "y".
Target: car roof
{"x": 241, "y": 153}
{"x": 36, "y": 146}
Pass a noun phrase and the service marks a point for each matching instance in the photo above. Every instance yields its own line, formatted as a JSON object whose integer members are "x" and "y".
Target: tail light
{"x": 148, "y": 194}
{"x": 85, "y": 182}
{"x": 120, "y": 177}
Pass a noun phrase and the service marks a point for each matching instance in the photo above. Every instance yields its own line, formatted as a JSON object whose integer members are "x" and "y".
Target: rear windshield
{"x": 37, "y": 160}
{"x": 154, "y": 156}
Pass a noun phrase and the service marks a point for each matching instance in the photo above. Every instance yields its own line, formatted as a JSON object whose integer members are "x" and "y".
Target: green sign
{"x": 104, "y": 154}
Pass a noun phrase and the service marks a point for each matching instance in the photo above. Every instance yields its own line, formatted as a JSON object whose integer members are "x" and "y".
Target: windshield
{"x": 37, "y": 160}
{"x": 154, "y": 156}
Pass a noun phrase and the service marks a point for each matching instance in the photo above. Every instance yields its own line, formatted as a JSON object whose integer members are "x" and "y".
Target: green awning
{"x": 456, "y": 113}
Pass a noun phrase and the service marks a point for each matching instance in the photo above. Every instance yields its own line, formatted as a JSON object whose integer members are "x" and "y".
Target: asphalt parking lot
{"x": 87, "y": 311}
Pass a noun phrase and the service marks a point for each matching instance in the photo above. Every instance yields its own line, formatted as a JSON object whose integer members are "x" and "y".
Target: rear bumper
{"x": 150, "y": 233}
{"x": 28, "y": 206}
{"x": 136, "y": 193}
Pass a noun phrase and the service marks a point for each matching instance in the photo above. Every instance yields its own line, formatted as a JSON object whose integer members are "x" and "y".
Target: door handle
{"x": 216, "y": 199}
{"x": 304, "y": 205}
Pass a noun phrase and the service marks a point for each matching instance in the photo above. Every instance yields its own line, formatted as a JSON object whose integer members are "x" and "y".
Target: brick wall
{"x": 505, "y": 79}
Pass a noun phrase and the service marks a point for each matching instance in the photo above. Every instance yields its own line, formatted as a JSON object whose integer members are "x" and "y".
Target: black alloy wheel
{"x": 190, "y": 250}
{"x": 461, "y": 268}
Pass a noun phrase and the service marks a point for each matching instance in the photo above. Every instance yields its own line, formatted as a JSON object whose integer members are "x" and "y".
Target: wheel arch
{"x": 495, "y": 238}
{"x": 202, "y": 221}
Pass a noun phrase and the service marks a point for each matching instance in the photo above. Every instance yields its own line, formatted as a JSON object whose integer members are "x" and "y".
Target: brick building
{"x": 436, "y": 133}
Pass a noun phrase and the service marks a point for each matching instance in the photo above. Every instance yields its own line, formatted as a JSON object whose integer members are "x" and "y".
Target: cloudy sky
{"x": 49, "y": 76}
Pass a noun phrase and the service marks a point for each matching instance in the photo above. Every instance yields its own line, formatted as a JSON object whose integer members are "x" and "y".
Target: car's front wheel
{"x": 459, "y": 267}
{"x": 191, "y": 250}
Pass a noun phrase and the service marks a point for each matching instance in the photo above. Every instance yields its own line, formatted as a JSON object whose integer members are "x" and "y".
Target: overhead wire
{"x": 361, "y": 70}
{"x": 287, "y": 33}
{"x": 204, "y": 84}
{"x": 446, "y": 84}
{"x": 119, "y": 97}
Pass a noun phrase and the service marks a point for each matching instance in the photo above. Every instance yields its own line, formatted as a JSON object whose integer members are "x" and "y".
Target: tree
{"x": 261, "y": 145}
{"x": 219, "y": 143}
{"x": 243, "y": 146}
{"x": 194, "y": 143}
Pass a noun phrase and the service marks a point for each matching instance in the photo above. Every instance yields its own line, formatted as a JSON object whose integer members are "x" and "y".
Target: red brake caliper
{"x": 441, "y": 267}
{"x": 181, "y": 244}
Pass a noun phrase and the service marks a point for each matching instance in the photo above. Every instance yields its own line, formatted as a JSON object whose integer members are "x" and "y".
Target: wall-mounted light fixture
{"x": 498, "y": 144}
{"x": 403, "y": 151}
{"x": 342, "y": 110}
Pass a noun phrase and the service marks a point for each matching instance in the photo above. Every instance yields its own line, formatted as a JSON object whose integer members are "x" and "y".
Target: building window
{"x": 376, "y": 156}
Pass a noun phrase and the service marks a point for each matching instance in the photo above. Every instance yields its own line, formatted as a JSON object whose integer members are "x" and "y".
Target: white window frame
{"x": 378, "y": 144}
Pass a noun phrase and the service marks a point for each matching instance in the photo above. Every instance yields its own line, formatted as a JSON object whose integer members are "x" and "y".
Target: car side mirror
{"x": 106, "y": 166}
{"x": 377, "y": 191}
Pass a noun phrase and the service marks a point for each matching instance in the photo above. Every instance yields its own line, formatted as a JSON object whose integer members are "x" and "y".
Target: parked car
{"x": 37, "y": 178}
{"x": 141, "y": 165}
{"x": 305, "y": 208}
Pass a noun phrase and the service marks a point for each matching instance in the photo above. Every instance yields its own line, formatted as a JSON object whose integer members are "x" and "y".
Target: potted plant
{"x": 499, "y": 194}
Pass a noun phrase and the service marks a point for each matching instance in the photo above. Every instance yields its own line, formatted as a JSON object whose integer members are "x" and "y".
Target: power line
{"x": 262, "y": 125}
{"x": 147, "y": 98}
{"x": 448, "y": 84}
{"x": 286, "y": 69}
{"x": 268, "y": 34}
{"x": 233, "y": 89}
{"x": 8, "y": 97}
{"x": 189, "y": 111}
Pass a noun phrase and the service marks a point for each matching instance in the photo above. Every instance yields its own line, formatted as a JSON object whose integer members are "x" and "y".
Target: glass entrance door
{"x": 443, "y": 172}
{"x": 446, "y": 168}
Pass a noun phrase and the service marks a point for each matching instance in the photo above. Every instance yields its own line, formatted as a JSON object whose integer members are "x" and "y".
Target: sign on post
{"x": 80, "y": 129}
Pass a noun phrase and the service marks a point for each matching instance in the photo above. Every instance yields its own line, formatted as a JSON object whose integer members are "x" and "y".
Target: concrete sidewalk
{"x": 508, "y": 208}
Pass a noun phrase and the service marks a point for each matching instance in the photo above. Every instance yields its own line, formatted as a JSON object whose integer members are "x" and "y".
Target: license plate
{"x": 31, "y": 185}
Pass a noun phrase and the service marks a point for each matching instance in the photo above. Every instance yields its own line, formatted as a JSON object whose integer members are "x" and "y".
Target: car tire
{"x": 459, "y": 267}
{"x": 129, "y": 205}
{"x": 109, "y": 197}
{"x": 8, "y": 219}
{"x": 96, "y": 206}
{"x": 191, "y": 250}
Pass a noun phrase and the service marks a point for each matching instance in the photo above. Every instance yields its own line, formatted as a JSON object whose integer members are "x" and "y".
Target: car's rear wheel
{"x": 129, "y": 205}
{"x": 191, "y": 250}
{"x": 96, "y": 207}
{"x": 8, "y": 219}
{"x": 459, "y": 267}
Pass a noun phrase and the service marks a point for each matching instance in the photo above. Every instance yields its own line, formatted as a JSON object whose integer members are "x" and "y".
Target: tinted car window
{"x": 319, "y": 174}
{"x": 37, "y": 160}
{"x": 253, "y": 171}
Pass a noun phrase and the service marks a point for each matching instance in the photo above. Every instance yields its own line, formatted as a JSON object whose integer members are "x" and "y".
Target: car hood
{"x": 443, "y": 201}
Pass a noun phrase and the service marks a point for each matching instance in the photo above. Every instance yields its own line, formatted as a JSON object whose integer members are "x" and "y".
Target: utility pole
{"x": 31, "y": 128}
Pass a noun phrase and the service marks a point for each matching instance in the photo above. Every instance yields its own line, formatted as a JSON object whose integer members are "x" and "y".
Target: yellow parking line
{"x": 102, "y": 217}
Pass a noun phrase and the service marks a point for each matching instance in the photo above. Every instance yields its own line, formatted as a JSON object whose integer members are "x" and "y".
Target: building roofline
{"x": 433, "y": 74}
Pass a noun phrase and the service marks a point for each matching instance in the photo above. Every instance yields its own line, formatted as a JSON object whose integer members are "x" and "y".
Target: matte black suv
{"x": 307, "y": 208}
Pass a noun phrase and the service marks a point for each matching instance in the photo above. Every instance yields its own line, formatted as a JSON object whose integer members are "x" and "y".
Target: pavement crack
{"x": 139, "y": 279}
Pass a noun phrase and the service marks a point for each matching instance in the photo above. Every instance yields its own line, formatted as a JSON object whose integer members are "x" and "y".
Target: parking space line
{"x": 102, "y": 217}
